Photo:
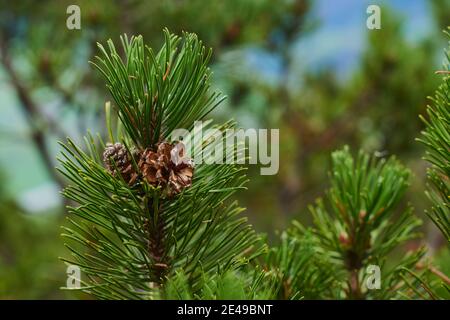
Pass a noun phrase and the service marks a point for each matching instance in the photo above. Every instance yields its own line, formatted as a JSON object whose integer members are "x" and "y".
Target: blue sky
{"x": 338, "y": 41}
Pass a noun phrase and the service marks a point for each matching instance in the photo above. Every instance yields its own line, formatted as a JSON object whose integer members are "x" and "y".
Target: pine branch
{"x": 355, "y": 226}
{"x": 131, "y": 233}
{"x": 298, "y": 268}
{"x": 436, "y": 138}
{"x": 230, "y": 285}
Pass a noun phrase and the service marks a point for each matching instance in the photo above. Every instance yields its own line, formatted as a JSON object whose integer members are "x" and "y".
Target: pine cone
{"x": 182, "y": 169}
{"x": 168, "y": 166}
{"x": 118, "y": 161}
{"x": 180, "y": 179}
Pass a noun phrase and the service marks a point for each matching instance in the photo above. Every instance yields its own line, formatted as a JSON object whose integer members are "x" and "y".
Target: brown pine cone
{"x": 118, "y": 161}
{"x": 168, "y": 166}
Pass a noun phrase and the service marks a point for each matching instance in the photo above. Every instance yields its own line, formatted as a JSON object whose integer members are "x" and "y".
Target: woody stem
{"x": 156, "y": 243}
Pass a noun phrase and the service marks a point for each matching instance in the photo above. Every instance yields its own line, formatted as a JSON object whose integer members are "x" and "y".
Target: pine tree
{"x": 144, "y": 227}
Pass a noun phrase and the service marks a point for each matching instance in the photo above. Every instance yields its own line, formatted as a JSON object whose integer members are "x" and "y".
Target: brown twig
{"x": 435, "y": 271}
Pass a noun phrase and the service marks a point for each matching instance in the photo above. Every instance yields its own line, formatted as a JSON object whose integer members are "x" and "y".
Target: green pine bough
{"x": 347, "y": 253}
{"x": 436, "y": 138}
{"x": 127, "y": 235}
{"x": 143, "y": 227}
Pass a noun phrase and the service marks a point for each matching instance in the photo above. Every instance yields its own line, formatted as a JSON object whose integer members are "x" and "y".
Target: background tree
{"x": 28, "y": 33}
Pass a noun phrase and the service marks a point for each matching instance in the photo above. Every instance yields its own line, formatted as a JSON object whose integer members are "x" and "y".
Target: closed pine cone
{"x": 118, "y": 161}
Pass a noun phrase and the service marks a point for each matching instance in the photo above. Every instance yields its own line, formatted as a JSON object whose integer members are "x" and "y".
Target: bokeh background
{"x": 310, "y": 68}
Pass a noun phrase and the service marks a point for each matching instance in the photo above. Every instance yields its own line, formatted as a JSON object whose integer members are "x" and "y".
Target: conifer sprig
{"x": 436, "y": 138}
{"x": 130, "y": 240}
{"x": 358, "y": 224}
